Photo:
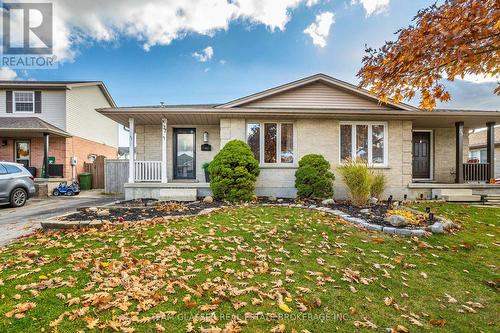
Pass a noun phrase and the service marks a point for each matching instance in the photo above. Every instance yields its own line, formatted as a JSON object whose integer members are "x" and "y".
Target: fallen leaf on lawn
{"x": 301, "y": 306}
{"x": 91, "y": 322}
{"x": 377, "y": 240}
{"x": 284, "y": 307}
{"x": 20, "y": 309}
{"x": 278, "y": 329}
{"x": 402, "y": 329}
{"x": 437, "y": 322}
{"x": 475, "y": 305}
{"x": 451, "y": 299}
{"x": 366, "y": 323}
{"x": 388, "y": 301}
{"x": 212, "y": 329}
{"x": 468, "y": 309}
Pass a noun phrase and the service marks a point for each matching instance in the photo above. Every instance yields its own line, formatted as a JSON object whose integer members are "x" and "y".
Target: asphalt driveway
{"x": 15, "y": 222}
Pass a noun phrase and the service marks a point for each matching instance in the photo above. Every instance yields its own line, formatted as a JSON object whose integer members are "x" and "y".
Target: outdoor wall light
{"x": 205, "y": 137}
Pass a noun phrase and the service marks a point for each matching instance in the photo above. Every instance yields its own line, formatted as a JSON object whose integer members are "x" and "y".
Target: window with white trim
{"x": 364, "y": 141}
{"x": 271, "y": 142}
{"x": 24, "y": 101}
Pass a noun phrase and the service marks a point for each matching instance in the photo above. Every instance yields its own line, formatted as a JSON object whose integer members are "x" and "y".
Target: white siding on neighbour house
{"x": 84, "y": 121}
{"x": 53, "y": 108}
{"x": 316, "y": 96}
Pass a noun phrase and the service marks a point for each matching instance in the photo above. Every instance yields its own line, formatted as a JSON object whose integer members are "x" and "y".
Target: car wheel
{"x": 69, "y": 193}
{"x": 56, "y": 192}
{"x": 18, "y": 197}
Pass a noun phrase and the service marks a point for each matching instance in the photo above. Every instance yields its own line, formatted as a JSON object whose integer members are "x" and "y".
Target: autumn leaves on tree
{"x": 447, "y": 41}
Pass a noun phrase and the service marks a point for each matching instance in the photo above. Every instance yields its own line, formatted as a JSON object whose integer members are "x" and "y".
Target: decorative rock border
{"x": 359, "y": 222}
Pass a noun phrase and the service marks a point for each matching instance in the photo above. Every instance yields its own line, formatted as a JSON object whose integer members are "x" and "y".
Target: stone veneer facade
{"x": 318, "y": 136}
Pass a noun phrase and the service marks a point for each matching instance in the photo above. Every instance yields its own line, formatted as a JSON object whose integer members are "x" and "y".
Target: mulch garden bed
{"x": 135, "y": 210}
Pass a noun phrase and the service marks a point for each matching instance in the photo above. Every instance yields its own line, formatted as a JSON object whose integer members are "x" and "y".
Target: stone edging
{"x": 420, "y": 232}
{"x": 359, "y": 222}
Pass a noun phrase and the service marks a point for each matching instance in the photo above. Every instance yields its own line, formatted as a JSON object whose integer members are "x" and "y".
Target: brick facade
{"x": 60, "y": 148}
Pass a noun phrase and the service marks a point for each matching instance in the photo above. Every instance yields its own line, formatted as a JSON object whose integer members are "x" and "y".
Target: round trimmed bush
{"x": 313, "y": 178}
{"x": 233, "y": 172}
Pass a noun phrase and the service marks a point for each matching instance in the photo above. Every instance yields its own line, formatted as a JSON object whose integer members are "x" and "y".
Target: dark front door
{"x": 184, "y": 153}
{"x": 421, "y": 155}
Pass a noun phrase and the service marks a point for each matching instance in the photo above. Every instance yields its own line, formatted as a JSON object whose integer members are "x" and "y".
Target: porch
{"x": 36, "y": 144}
{"x": 166, "y": 157}
{"x": 165, "y": 165}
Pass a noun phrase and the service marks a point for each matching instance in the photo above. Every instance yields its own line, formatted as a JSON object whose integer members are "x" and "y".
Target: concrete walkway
{"x": 15, "y": 222}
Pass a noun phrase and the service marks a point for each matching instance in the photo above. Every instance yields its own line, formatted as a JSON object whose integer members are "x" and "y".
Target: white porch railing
{"x": 147, "y": 171}
{"x": 476, "y": 172}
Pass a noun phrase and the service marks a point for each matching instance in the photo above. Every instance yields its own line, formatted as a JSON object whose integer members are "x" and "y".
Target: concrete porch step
{"x": 178, "y": 194}
{"x": 462, "y": 198}
{"x": 451, "y": 192}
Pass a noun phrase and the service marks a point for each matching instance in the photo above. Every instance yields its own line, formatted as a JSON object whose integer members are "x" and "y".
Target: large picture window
{"x": 271, "y": 142}
{"x": 364, "y": 141}
{"x": 24, "y": 101}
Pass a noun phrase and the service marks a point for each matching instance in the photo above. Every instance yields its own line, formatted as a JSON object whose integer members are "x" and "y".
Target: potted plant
{"x": 207, "y": 174}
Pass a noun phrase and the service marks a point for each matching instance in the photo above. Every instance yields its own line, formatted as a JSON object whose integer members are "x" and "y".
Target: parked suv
{"x": 16, "y": 184}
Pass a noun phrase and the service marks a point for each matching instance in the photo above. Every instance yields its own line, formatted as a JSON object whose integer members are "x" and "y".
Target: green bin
{"x": 85, "y": 180}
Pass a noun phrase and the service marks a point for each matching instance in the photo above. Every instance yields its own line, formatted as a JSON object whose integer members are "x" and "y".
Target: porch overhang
{"x": 212, "y": 116}
{"x": 28, "y": 127}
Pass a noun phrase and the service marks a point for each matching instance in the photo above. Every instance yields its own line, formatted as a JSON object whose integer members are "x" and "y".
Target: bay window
{"x": 364, "y": 141}
{"x": 271, "y": 142}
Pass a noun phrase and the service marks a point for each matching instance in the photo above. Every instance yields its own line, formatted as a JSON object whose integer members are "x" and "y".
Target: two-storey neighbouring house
{"x": 44, "y": 122}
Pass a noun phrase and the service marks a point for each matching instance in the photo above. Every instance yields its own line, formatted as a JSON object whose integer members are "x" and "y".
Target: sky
{"x": 213, "y": 51}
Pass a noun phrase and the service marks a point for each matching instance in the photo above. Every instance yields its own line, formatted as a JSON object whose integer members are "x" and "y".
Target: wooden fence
{"x": 116, "y": 172}
{"x": 97, "y": 171}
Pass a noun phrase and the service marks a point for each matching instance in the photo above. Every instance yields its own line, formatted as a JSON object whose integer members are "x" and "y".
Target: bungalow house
{"x": 53, "y": 128}
{"x": 418, "y": 151}
{"x": 478, "y": 148}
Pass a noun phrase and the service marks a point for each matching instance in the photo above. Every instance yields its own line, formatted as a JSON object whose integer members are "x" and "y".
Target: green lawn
{"x": 277, "y": 269}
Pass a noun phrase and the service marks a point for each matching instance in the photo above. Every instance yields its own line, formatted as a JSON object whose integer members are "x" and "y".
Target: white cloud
{"x": 474, "y": 78}
{"x": 157, "y": 22}
{"x": 7, "y": 74}
{"x": 311, "y": 3}
{"x": 320, "y": 28}
{"x": 373, "y": 6}
{"x": 204, "y": 55}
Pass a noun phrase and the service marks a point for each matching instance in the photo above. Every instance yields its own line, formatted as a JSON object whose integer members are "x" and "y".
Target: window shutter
{"x": 38, "y": 102}
{"x": 8, "y": 101}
